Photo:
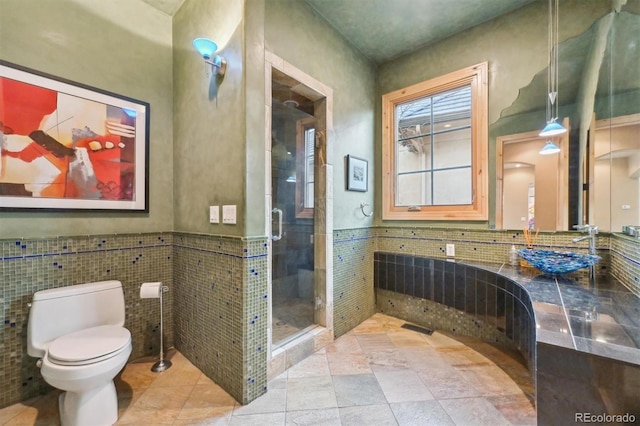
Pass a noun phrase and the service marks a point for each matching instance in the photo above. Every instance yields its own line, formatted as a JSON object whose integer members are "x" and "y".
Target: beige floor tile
{"x": 128, "y": 397}
{"x": 357, "y": 389}
{"x": 446, "y": 383}
{"x": 136, "y": 416}
{"x": 166, "y": 397}
{"x": 324, "y": 417}
{"x": 389, "y": 360}
{"x": 208, "y": 395}
{"x": 40, "y": 411}
{"x": 439, "y": 339}
{"x": 378, "y": 415}
{"x": 489, "y": 380}
{"x": 214, "y": 414}
{"x": 11, "y": 411}
{"x": 462, "y": 356}
{"x": 274, "y": 401}
{"x": 405, "y": 338}
{"x": 375, "y": 342}
{"x": 270, "y": 419}
{"x": 515, "y": 408}
{"x": 180, "y": 375}
{"x": 473, "y": 411}
{"x": 423, "y": 358}
{"x": 310, "y": 393}
{"x": 209, "y": 421}
{"x": 346, "y": 363}
{"x": 403, "y": 386}
{"x": 135, "y": 375}
{"x": 421, "y": 413}
{"x": 314, "y": 365}
{"x": 347, "y": 344}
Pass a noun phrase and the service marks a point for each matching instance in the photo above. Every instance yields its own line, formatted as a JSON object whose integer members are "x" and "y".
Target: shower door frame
{"x": 322, "y": 95}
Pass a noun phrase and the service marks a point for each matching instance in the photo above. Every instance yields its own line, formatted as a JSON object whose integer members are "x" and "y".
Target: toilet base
{"x": 98, "y": 406}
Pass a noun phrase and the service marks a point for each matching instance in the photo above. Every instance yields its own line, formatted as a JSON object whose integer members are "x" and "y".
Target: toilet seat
{"x": 89, "y": 346}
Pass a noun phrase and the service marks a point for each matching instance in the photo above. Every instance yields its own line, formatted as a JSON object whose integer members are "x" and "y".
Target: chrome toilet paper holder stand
{"x": 162, "y": 364}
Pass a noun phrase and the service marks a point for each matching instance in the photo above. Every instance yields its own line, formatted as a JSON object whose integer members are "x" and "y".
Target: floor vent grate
{"x": 417, "y": 328}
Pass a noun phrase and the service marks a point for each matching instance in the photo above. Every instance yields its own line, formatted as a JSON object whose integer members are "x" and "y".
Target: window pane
{"x": 308, "y": 196}
{"x": 451, "y": 106}
{"x": 413, "y": 118}
{"x": 415, "y": 157}
{"x": 414, "y": 189}
{"x": 309, "y": 144}
{"x": 452, "y": 149}
{"x": 452, "y": 187}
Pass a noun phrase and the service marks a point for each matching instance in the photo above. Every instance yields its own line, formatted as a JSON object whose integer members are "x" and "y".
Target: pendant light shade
{"x": 550, "y": 148}
{"x": 552, "y": 128}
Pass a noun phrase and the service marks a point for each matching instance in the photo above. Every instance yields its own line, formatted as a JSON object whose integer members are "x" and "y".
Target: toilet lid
{"x": 88, "y": 345}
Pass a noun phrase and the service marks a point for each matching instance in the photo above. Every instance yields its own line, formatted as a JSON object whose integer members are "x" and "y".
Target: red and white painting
{"x": 66, "y": 146}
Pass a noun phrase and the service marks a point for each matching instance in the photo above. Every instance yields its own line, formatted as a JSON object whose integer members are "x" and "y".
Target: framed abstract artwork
{"x": 68, "y": 146}
{"x": 357, "y": 174}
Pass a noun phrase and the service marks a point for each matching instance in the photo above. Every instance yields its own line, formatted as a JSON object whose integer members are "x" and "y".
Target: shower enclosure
{"x": 292, "y": 198}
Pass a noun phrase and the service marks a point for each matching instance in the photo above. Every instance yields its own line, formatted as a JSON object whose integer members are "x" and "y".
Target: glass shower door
{"x": 292, "y": 189}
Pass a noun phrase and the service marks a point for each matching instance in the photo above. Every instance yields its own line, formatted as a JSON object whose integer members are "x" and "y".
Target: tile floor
{"x": 377, "y": 374}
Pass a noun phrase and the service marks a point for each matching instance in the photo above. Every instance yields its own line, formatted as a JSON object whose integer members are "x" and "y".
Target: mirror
{"x": 599, "y": 161}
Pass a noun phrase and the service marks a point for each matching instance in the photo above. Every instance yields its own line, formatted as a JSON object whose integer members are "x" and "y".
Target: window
{"x": 434, "y": 137}
{"x": 305, "y": 148}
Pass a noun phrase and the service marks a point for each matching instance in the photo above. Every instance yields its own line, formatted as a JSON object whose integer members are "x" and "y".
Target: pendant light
{"x": 553, "y": 127}
{"x": 549, "y": 148}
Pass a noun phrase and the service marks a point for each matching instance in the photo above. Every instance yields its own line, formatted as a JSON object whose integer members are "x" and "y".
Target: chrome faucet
{"x": 591, "y": 231}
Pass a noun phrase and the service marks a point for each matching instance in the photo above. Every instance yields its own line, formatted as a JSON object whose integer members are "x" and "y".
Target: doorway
{"x": 299, "y": 179}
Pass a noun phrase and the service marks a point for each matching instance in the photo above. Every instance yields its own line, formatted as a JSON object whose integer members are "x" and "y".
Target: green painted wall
{"x": 119, "y": 46}
{"x": 209, "y": 149}
{"x": 514, "y": 45}
{"x": 296, "y": 34}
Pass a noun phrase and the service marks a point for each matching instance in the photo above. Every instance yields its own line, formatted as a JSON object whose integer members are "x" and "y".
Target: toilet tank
{"x": 63, "y": 310}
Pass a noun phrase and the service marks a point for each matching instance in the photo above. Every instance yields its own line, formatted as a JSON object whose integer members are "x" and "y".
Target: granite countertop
{"x": 599, "y": 316}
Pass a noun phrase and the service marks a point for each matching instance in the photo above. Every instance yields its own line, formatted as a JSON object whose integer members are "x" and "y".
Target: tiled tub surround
{"x": 221, "y": 309}
{"x": 585, "y": 355}
{"x": 30, "y": 265}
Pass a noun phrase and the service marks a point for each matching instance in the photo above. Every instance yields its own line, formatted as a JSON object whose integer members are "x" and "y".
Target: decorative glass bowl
{"x": 558, "y": 262}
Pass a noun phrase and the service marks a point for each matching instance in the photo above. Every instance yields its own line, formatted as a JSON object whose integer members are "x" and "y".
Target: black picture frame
{"x": 70, "y": 147}
{"x": 357, "y": 174}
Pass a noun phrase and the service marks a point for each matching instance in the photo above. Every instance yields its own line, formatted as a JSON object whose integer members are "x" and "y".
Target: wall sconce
{"x": 207, "y": 48}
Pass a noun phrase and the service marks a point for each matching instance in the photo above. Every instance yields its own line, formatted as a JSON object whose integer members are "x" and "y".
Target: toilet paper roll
{"x": 150, "y": 290}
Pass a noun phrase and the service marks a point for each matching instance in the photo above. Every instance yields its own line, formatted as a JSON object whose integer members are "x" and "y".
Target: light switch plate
{"x": 451, "y": 250}
{"x": 229, "y": 214}
{"x": 214, "y": 214}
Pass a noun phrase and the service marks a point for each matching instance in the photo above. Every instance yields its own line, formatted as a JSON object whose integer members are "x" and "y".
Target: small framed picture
{"x": 357, "y": 174}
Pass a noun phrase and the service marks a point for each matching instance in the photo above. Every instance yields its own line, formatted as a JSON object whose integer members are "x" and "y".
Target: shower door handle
{"x": 279, "y": 213}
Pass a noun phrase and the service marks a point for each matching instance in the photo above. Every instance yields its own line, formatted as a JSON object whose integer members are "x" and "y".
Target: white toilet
{"x": 78, "y": 334}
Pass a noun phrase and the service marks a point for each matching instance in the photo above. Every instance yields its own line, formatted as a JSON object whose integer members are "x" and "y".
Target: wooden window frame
{"x": 476, "y": 76}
